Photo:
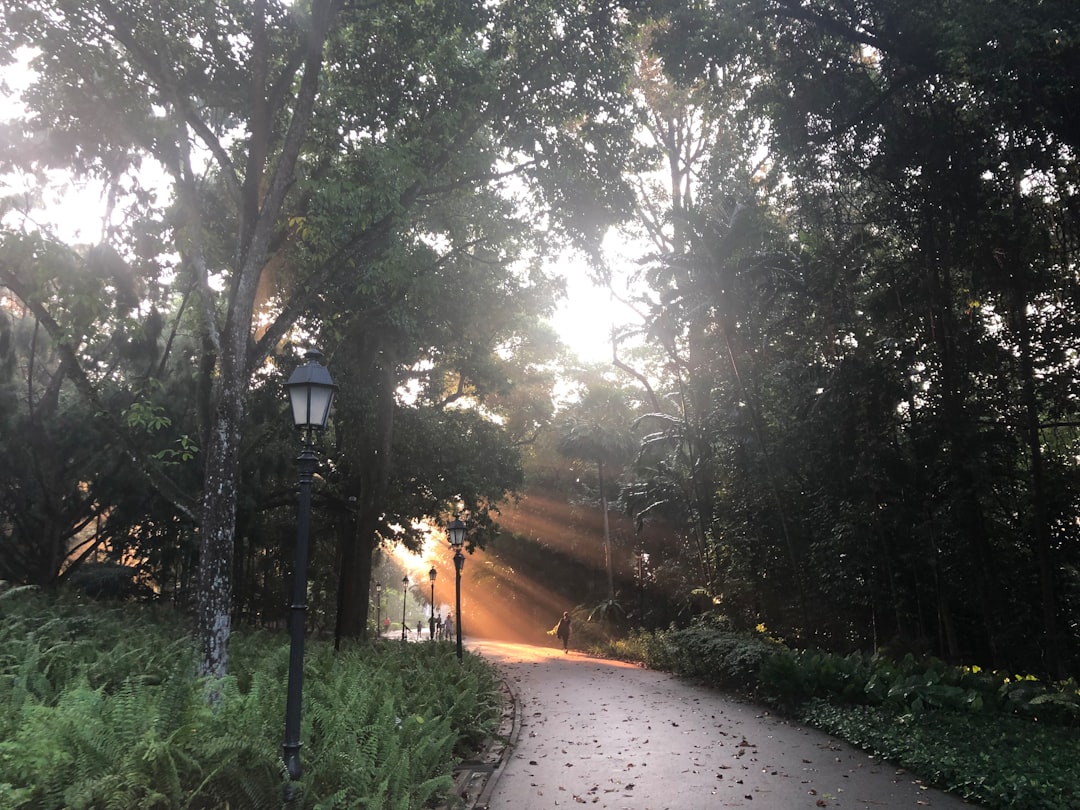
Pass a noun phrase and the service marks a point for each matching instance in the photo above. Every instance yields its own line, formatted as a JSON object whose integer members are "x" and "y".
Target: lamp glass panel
{"x": 299, "y": 398}
{"x": 322, "y": 397}
{"x": 456, "y": 530}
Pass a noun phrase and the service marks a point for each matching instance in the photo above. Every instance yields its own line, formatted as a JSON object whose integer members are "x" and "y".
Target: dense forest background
{"x": 845, "y": 407}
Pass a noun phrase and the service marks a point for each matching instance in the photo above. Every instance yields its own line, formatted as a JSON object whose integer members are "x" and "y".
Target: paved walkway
{"x": 587, "y": 731}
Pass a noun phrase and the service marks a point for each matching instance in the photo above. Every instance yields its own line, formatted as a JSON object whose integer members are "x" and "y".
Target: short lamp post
{"x": 378, "y": 609}
{"x": 311, "y": 394}
{"x": 431, "y": 624}
{"x": 456, "y": 531}
{"x": 404, "y": 598}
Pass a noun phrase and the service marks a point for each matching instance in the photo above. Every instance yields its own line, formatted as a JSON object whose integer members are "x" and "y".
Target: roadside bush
{"x": 711, "y": 652}
{"x": 999, "y": 761}
{"x": 99, "y": 709}
{"x": 639, "y": 646}
{"x": 791, "y": 677}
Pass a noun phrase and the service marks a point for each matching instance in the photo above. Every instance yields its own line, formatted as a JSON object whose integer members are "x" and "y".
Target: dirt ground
{"x": 614, "y": 735}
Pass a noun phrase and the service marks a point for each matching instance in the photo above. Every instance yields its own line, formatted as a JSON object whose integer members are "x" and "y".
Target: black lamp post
{"x": 378, "y": 609}
{"x": 431, "y": 624}
{"x": 404, "y": 597}
{"x": 311, "y": 393}
{"x": 456, "y": 532}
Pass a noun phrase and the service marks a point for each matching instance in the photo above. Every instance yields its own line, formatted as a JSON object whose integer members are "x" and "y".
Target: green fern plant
{"x": 100, "y": 708}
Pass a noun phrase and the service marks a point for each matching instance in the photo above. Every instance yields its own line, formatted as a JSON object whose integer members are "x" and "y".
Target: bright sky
{"x": 585, "y": 318}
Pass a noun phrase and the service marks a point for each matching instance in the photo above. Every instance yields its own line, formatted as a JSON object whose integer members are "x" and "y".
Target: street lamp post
{"x": 431, "y": 623}
{"x": 311, "y": 394}
{"x": 456, "y": 530}
{"x": 404, "y": 596}
{"x": 378, "y": 609}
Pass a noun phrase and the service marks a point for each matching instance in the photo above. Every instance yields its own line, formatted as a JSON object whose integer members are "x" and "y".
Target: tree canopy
{"x": 852, "y": 404}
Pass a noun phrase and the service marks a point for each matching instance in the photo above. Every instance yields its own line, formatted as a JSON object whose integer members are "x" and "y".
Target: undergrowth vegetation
{"x": 1007, "y": 741}
{"x": 99, "y": 707}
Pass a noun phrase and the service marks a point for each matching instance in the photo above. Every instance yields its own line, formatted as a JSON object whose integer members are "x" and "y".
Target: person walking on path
{"x": 562, "y": 631}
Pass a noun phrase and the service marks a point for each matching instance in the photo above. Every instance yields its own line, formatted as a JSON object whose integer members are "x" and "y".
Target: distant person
{"x": 431, "y": 628}
{"x": 386, "y": 626}
{"x": 448, "y": 626}
{"x": 562, "y": 631}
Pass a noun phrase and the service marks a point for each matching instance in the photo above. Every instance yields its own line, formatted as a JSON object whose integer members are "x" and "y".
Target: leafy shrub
{"x": 791, "y": 677}
{"x": 1003, "y": 762}
{"x": 640, "y": 646}
{"x": 716, "y": 655}
{"x": 96, "y": 715}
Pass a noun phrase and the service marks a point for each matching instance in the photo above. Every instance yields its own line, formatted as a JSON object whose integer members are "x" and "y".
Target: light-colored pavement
{"x": 613, "y": 735}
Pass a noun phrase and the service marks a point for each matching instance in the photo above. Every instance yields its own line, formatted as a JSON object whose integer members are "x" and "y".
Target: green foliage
{"x": 642, "y": 646}
{"x": 791, "y": 677}
{"x": 912, "y": 685}
{"x": 1002, "y": 762}
{"x": 712, "y": 652}
{"x": 856, "y": 472}
{"x": 100, "y": 710}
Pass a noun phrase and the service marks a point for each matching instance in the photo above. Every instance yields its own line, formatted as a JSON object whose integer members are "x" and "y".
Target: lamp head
{"x": 456, "y": 530}
{"x": 311, "y": 393}
{"x": 432, "y": 573}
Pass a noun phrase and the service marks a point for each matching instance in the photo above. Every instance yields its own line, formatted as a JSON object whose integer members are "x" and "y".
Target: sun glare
{"x": 585, "y": 318}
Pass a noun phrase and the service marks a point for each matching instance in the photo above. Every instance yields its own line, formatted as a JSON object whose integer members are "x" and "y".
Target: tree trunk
{"x": 1042, "y": 533}
{"x": 607, "y": 534}
{"x": 373, "y": 443}
{"x": 260, "y": 217}
{"x": 355, "y": 579}
{"x": 962, "y": 501}
{"x": 214, "y": 580}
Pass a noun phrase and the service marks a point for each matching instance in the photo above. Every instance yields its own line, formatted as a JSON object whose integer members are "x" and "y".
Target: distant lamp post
{"x": 404, "y": 596}
{"x": 456, "y": 531}
{"x": 431, "y": 624}
{"x": 311, "y": 394}
{"x": 378, "y": 609}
